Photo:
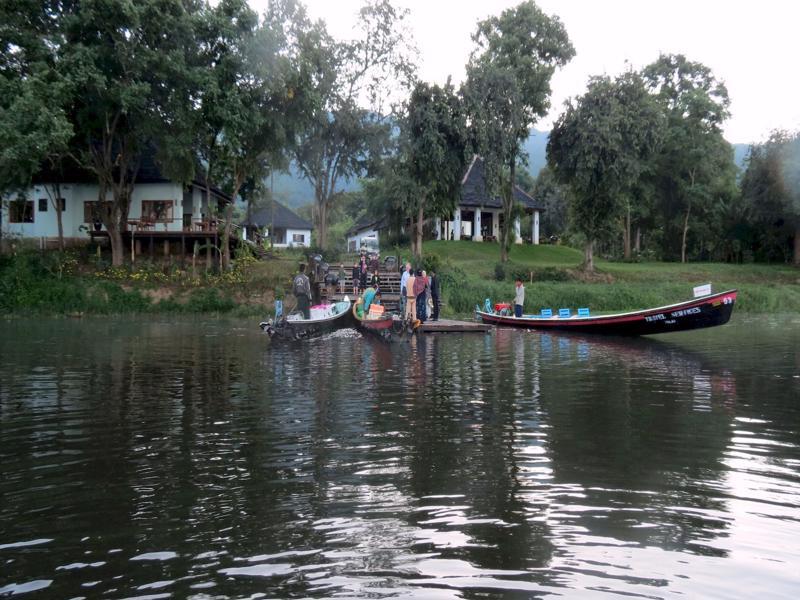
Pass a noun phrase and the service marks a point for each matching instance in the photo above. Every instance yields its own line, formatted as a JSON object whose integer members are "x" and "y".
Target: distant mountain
{"x": 294, "y": 191}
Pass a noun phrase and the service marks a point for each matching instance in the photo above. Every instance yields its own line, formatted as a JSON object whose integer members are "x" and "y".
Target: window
{"x": 90, "y": 211}
{"x": 157, "y": 211}
{"x": 298, "y": 237}
{"x": 43, "y": 204}
{"x": 20, "y": 211}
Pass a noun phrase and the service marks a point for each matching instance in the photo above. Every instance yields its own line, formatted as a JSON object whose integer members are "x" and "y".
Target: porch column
{"x": 438, "y": 224}
{"x": 457, "y": 224}
{"x": 517, "y": 236}
{"x": 476, "y": 226}
{"x": 535, "y": 227}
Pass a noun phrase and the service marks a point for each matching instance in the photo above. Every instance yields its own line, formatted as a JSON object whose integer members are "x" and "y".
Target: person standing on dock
{"x": 411, "y": 298}
{"x": 342, "y": 277}
{"x": 302, "y": 292}
{"x": 420, "y": 284}
{"x": 435, "y": 290}
{"x": 356, "y": 279}
{"x": 403, "y": 281}
{"x": 519, "y": 298}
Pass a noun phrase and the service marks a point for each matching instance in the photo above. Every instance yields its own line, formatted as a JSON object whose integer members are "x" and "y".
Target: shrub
{"x": 499, "y": 272}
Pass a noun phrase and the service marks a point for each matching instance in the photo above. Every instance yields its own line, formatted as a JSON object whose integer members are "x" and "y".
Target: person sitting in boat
{"x": 519, "y": 298}
{"x": 301, "y": 287}
{"x": 369, "y": 297}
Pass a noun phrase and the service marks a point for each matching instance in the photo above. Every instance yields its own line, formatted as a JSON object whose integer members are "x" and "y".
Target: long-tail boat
{"x": 706, "y": 311}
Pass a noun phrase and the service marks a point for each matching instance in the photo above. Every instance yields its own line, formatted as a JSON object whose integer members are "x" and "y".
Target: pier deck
{"x": 451, "y": 326}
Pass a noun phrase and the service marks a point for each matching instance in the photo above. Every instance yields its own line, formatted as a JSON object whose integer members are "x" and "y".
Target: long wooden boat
{"x": 294, "y": 327}
{"x": 388, "y": 327}
{"x": 706, "y": 311}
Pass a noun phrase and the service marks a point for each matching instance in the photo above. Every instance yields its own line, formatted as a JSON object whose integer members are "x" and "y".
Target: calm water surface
{"x": 190, "y": 459}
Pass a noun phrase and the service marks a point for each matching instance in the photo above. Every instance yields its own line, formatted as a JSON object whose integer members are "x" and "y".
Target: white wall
{"x": 45, "y": 223}
{"x": 367, "y": 233}
{"x": 306, "y": 233}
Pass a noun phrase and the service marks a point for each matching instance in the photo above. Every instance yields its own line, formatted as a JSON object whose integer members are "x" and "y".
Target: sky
{"x": 751, "y": 46}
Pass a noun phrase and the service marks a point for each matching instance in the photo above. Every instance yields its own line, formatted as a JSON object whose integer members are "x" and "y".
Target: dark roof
{"x": 283, "y": 218}
{"x": 367, "y": 222}
{"x": 473, "y": 190}
{"x": 149, "y": 172}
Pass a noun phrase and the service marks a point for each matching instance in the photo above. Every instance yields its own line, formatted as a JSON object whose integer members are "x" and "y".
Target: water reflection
{"x": 194, "y": 460}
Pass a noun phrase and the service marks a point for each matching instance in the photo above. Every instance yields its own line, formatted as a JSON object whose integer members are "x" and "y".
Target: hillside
{"x": 294, "y": 191}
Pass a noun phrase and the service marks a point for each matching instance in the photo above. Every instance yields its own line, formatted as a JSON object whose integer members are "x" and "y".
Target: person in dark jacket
{"x": 435, "y": 291}
{"x": 420, "y": 283}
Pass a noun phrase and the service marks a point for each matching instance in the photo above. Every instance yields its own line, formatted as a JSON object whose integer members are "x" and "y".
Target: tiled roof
{"x": 473, "y": 190}
{"x": 367, "y": 222}
{"x": 283, "y": 218}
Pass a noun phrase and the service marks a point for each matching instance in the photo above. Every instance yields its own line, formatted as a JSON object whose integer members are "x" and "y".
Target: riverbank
{"x": 76, "y": 283}
{"x": 553, "y": 278}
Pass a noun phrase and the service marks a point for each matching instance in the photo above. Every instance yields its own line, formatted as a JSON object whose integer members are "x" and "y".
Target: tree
{"x": 349, "y": 133}
{"x": 128, "y": 59}
{"x": 33, "y": 123}
{"x": 508, "y": 90}
{"x": 693, "y": 153}
{"x": 598, "y": 147}
{"x": 435, "y": 140}
{"x": 770, "y": 187}
{"x": 553, "y": 195}
{"x": 269, "y": 102}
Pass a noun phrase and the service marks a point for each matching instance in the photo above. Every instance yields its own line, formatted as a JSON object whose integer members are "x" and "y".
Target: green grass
{"x": 558, "y": 282}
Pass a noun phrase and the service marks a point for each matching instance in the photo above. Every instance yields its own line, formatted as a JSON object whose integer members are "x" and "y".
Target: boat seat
{"x": 546, "y": 312}
{"x": 583, "y": 312}
{"x": 564, "y": 313}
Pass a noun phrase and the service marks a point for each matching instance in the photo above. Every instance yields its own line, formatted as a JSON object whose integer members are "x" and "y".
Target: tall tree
{"x": 34, "y": 126}
{"x": 693, "y": 153}
{"x": 508, "y": 90}
{"x": 270, "y": 102}
{"x": 770, "y": 187}
{"x": 128, "y": 60}
{"x": 598, "y": 147}
{"x": 349, "y": 132}
{"x": 435, "y": 140}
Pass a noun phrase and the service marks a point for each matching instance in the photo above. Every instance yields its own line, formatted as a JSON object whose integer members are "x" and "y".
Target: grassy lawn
{"x": 557, "y": 281}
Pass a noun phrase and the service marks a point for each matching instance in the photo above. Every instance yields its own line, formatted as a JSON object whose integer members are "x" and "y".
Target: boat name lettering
{"x": 686, "y": 311}
{"x": 651, "y": 318}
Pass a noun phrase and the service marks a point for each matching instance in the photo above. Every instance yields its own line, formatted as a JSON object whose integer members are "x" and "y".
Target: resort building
{"x": 478, "y": 216}
{"x": 159, "y": 207}
{"x": 289, "y": 229}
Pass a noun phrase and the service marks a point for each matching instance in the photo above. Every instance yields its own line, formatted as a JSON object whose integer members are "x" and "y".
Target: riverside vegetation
{"x": 77, "y": 282}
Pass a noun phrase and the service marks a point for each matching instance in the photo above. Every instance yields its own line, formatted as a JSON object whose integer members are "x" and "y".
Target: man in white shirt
{"x": 403, "y": 282}
{"x": 519, "y": 298}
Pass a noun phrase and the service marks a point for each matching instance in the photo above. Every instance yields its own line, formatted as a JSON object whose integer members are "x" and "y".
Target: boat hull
{"x": 387, "y": 328}
{"x": 708, "y": 311}
{"x": 307, "y": 328}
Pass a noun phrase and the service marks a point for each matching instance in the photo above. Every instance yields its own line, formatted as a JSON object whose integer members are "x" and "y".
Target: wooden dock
{"x": 450, "y": 326}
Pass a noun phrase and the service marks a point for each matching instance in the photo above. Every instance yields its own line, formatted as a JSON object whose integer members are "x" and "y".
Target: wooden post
{"x": 194, "y": 258}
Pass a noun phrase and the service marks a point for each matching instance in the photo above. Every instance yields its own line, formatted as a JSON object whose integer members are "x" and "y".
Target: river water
{"x": 149, "y": 458}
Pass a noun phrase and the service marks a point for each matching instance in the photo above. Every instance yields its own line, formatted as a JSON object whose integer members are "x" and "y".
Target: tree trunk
{"x": 322, "y": 228}
{"x": 638, "y": 242}
{"x": 685, "y": 230}
{"x": 588, "y": 256}
{"x": 117, "y": 250}
{"x": 508, "y": 208}
{"x": 208, "y": 216}
{"x": 797, "y": 244}
{"x": 627, "y": 234}
{"x": 55, "y": 201}
{"x": 418, "y": 232}
{"x": 226, "y": 237}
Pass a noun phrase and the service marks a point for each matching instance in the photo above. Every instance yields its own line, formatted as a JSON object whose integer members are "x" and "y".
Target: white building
{"x": 477, "y": 217}
{"x": 290, "y": 230}
{"x": 158, "y": 206}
